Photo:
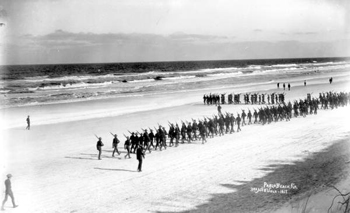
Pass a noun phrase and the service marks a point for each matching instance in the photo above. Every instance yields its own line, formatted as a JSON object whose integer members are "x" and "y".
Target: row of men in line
{"x": 249, "y": 98}
{"x": 222, "y": 124}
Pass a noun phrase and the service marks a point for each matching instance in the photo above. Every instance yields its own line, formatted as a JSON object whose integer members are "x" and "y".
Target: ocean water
{"x": 23, "y": 85}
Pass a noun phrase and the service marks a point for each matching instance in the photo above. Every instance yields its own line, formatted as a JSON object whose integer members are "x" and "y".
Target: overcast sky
{"x": 86, "y": 31}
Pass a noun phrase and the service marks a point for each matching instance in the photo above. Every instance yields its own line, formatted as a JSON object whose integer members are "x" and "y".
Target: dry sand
{"x": 55, "y": 166}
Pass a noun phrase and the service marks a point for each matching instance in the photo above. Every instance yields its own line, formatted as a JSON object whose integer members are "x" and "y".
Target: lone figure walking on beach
{"x": 99, "y": 147}
{"x": 219, "y": 109}
{"x": 28, "y": 123}
{"x": 330, "y": 80}
{"x": 304, "y": 83}
{"x": 139, "y": 156}
{"x": 8, "y": 192}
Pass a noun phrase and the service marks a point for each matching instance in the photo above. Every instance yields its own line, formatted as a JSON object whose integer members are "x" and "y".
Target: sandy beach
{"x": 55, "y": 166}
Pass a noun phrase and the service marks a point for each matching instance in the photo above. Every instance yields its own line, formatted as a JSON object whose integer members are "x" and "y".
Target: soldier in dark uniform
{"x": 151, "y": 137}
{"x": 115, "y": 145}
{"x": 249, "y": 117}
{"x": 99, "y": 147}
{"x": 221, "y": 125}
{"x": 183, "y": 132}
{"x": 243, "y": 118}
{"x": 202, "y": 132}
{"x": 177, "y": 135}
{"x": 8, "y": 192}
{"x": 133, "y": 142}
{"x": 139, "y": 156}
{"x": 194, "y": 129}
{"x": 189, "y": 132}
{"x": 238, "y": 122}
{"x": 232, "y": 123}
{"x": 164, "y": 138}
{"x": 146, "y": 141}
{"x": 127, "y": 147}
{"x": 255, "y": 116}
{"x": 171, "y": 135}
{"x": 288, "y": 86}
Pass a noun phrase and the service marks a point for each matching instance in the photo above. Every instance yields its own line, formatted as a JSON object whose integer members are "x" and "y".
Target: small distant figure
{"x": 331, "y": 80}
{"x": 288, "y": 86}
{"x": 278, "y": 85}
{"x": 219, "y": 109}
{"x": 99, "y": 147}
{"x": 305, "y": 83}
{"x": 8, "y": 192}
{"x": 28, "y": 123}
{"x": 139, "y": 156}
{"x": 284, "y": 86}
{"x": 115, "y": 145}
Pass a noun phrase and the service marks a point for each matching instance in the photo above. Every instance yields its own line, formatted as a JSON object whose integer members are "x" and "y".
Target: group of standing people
{"x": 284, "y": 86}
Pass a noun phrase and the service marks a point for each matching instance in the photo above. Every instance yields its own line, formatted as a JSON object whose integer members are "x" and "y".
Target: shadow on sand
{"x": 81, "y": 158}
{"x": 309, "y": 176}
{"x": 117, "y": 170}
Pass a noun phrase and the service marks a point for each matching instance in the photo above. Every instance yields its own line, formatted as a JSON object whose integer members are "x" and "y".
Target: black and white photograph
{"x": 174, "y": 106}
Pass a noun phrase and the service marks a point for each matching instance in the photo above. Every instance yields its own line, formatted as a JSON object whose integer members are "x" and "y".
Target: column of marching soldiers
{"x": 224, "y": 123}
{"x": 249, "y": 98}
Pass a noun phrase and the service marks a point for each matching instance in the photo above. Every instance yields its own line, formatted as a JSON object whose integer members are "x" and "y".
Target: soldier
{"x": 249, "y": 117}
{"x": 171, "y": 135}
{"x": 146, "y": 141}
{"x": 202, "y": 132}
{"x": 238, "y": 122}
{"x": 133, "y": 140}
{"x": 232, "y": 123}
{"x": 177, "y": 135}
{"x": 255, "y": 116}
{"x": 139, "y": 156}
{"x": 288, "y": 86}
{"x": 8, "y": 192}
{"x": 151, "y": 137}
{"x": 99, "y": 147}
{"x": 115, "y": 145}
{"x": 183, "y": 132}
{"x": 211, "y": 127}
{"x": 194, "y": 129}
{"x": 243, "y": 118}
{"x": 227, "y": 122}
{"x": 189, "y": 132}
{"x": 127, "y": 147}
{"x": 221, "y": 125}
{"x": 157, "y": 137}
{"x": 164, "y": 137}
{"x": 284, "y": 86}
